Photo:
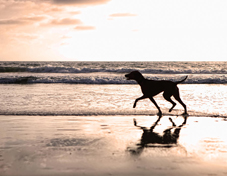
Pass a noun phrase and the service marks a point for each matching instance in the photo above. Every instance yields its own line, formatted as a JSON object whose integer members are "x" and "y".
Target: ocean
{"x": 100, "y": 88}
{"x": 109, "y": 72}
{"x": 77, "y": 118}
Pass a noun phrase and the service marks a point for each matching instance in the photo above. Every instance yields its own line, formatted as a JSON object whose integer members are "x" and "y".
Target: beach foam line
{"x": 192, "y": 114}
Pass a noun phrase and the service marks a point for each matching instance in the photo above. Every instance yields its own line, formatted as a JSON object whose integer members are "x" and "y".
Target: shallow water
{"x": 77, "y": 99}
{"x": 110, "y": 145}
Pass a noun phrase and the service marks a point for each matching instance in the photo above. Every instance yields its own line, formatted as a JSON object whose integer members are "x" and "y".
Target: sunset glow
{"x": 112, "y": 30}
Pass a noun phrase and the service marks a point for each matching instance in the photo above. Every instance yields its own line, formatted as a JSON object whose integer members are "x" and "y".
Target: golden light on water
{"x": 113, "y": 144}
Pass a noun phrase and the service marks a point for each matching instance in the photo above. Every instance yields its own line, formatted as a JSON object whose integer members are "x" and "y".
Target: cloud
{"x": 84, "y": 28}
{"x": 11, "y": 21}
{"x": 28, "y": 36}
{"x": 80, "y": 2}
{"x": 54, "y": 9}
{"x": 75, "y": 12}
{"x": 65, "y": 21}
{"x": 123, "y": 15}
{"x": 2, "y": 6}
{"x": 22, "y": 20}
{"x": 46, "y": 20}
{"x": 33, "y": 18}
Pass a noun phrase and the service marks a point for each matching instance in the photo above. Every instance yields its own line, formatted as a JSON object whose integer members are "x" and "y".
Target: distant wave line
{"x": 50, "y": 69}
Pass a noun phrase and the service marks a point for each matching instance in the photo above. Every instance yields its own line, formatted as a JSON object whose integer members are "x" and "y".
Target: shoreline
{"x": 112, "y": 145}
{"x": 201, "y": 115}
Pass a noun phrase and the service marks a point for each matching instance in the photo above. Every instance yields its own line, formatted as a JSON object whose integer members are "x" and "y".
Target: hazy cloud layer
{"x": 65, "y": 21}
{"x": 80, "y": 2}
{"x": 22, "y": 20}
{"x": 75, "y": 12}
{"x": 21, "y": 3}
{"x": 26, "y": 36}
{"x": 84, "y": 28}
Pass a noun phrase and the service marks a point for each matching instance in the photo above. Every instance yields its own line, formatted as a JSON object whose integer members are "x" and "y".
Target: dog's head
{"x": 134, "y": 75}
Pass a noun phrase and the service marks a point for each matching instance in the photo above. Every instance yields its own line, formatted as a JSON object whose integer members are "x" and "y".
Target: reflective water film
{"x": 112, "y": 145}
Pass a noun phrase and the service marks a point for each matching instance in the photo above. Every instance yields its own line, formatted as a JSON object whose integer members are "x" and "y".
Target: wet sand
{"x": 112, "y": 145}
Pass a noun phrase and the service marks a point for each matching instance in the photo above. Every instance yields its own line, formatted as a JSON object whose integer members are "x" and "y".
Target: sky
{"x": 113, "y": 30}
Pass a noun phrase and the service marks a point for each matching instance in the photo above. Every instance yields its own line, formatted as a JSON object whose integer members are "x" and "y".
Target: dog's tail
{"x": 178, "y": 82}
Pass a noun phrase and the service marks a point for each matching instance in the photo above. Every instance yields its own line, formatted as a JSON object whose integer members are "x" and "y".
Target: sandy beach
{"x": 112, "y": 145}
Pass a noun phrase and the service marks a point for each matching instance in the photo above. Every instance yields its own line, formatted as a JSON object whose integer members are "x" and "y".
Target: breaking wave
{"x": 116, "y": 67}
{"x": 109, "y": 79}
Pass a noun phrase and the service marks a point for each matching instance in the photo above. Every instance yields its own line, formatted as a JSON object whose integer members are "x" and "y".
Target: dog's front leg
{"x": 140, "y": 98}
{"x": 153, "y": 101}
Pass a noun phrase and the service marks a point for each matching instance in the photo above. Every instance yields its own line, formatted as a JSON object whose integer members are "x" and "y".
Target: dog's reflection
{"x": 152, "y": 139}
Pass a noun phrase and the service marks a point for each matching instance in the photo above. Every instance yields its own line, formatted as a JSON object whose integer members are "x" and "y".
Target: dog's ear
{"x": 137, "y": 74}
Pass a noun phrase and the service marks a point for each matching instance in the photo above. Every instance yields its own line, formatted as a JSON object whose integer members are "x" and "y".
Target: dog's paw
{"x": 159, "y": 114}
{"x": 185, "y": 114}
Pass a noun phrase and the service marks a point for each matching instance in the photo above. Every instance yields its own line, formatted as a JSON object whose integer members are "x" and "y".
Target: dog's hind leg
{"x": 177, "y": 97}
{"x": 167, "y": 97}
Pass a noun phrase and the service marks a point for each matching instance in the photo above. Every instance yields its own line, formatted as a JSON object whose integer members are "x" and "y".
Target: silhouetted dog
{"x": 151, "y": 88}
